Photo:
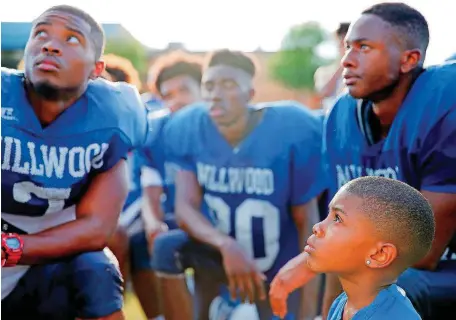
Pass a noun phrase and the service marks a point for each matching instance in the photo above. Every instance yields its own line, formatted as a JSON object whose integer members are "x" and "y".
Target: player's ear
{"x": 382, "y": 255}
{"x": 99, "y": 67}
{"x": 251, "y": 93}
{"x": 410, "y": 60}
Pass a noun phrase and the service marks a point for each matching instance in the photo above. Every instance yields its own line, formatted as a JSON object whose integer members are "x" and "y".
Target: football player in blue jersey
{"x": 398, "y": 121}
{"x": 254, "y": 171}
{"x": 177, "y": 82}
{"x": 64, "y": 141}
{"x": 129, "y": 242}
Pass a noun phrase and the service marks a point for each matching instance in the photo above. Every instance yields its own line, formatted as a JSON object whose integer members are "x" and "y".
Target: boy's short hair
{"x": 400, "y": 213}
{"x": 342, "y": 29}
{"x": 172, "y": 65}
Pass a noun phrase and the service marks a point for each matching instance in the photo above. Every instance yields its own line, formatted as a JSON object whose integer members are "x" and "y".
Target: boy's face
{"x": 343, "y": 241}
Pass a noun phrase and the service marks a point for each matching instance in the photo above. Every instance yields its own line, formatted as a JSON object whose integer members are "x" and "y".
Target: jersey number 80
{"x": 242, "y": 226}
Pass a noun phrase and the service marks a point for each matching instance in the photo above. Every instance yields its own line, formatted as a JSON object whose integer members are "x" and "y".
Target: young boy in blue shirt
{"x": 375, "y": 229}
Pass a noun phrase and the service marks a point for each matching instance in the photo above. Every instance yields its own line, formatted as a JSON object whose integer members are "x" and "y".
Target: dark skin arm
{"x": 444, "y": 207}
{"x": 96, "y": 219}
{"x": 153, "y": 203}
{"x": 188, "y": 201}
{"x": 243, "y": 276}
{"x": 152, "y": 213}
{"x": 305, "y": 216}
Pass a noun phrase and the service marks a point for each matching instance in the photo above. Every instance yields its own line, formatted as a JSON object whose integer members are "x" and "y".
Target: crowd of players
{"x": 206, "y": 181}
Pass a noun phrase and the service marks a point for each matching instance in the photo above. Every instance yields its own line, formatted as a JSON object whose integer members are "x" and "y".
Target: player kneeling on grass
{"x": 64, "y": 141}
{"x": 376, "y": 229}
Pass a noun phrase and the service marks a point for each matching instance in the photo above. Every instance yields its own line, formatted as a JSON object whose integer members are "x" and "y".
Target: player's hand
{"x": 278, "y": 297}
{"x": 153, "y": 232}
{"x": 244, "y": 278}
{"x": 294, "y": 274}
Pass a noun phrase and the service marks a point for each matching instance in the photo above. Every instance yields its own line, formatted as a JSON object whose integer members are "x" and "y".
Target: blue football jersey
{"x": 46, "y": 170}
{"x": 249, "y": 189}
{"x": 154, "y": 158}
{"x": 420, "y": 148}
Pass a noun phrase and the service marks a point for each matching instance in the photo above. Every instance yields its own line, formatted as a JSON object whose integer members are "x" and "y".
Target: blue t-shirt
{"x": 249, "y": 190}
{"x": 391, "y": 303}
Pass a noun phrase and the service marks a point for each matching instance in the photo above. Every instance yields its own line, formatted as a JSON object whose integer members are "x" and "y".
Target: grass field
{"x": 132, "y": 308}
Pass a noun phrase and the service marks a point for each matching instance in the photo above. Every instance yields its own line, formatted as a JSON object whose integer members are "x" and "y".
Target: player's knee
{"x": 97, "y": 284}
{"x": 140, "y": 259}
{"x": 164, "y": 254}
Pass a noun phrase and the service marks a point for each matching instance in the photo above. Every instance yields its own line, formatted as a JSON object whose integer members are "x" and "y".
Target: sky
{"x": 236, "y": 24}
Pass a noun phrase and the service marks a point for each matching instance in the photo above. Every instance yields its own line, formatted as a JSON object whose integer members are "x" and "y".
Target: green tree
{"x": 131, "y": 49}
{"x": 295, "y": 63}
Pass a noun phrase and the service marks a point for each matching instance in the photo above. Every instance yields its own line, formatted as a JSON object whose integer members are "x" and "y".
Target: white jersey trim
{"x": 150, "y": 177}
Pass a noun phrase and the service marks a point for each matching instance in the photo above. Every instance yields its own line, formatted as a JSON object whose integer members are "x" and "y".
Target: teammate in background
{"x": 398, "y": 122}
{"x": 64, "y": 175}
{"x": 375, "y": 229}
{"x": 177, "y": 83}
{"x": 129, "y": 243}
{"x": 328, "y": 79}
{"x": 254, "y": 171}
{"x": 121, "y": 69}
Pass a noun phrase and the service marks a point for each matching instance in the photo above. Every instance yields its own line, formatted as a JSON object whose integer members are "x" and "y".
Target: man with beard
{"x": 65, "y": 138}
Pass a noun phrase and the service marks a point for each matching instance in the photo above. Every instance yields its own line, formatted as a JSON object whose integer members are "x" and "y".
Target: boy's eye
{"x": 337, "y": 218}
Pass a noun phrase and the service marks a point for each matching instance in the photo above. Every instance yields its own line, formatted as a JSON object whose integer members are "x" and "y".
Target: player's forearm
{"x": 152, "y": 212}
{"x": 296, "y": 273}
{"x": 444, "y": 231}
{"x": 198, "y": 227}
{"x": 73, "y": 237}
{"x": 444, "y": 207}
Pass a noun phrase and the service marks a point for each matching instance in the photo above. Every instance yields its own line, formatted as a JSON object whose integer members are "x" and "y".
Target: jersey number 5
{"x": 22, "y": 193}
{"x": 255, "y": 225}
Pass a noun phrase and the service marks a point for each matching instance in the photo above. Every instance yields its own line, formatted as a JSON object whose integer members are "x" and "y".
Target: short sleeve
{"x": 307, "y": 171}
{"x": 109, "y": 154}
{"x": 134, "y": 118}
{"x": 438, "y": 156}
{"x": 337, "y": 307}
{"x": 150, "y": 173}
{"x": 128, "y": 130}
{"x": 178, "y": 144}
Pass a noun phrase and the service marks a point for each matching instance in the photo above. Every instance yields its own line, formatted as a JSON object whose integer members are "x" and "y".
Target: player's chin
{"x": 40, "y": 77}
{"x": 356, "y": 92}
